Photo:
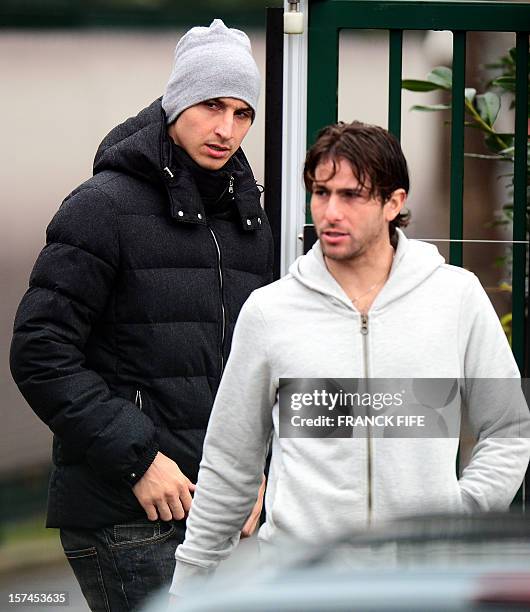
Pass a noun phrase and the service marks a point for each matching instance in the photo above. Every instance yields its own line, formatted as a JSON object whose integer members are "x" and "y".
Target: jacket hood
{"x": 141, "y": 147}
{"x": 413, "y": 263}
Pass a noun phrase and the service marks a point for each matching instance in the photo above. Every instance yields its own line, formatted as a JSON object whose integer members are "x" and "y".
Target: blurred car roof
{"x": 479, "y": 562}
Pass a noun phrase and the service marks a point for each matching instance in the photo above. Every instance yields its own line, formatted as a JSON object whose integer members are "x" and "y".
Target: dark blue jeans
{"x": 118, "y": 567}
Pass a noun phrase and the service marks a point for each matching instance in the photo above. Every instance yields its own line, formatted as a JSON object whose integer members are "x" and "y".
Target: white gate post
{"x": 294, "y": 137}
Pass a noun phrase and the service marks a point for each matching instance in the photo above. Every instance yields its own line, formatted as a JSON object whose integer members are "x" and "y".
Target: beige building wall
{"x": 63, "y": 91}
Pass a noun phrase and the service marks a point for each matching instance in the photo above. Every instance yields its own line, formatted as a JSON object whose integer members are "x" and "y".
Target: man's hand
{"x": 163, "y": 491}
{"x": 252, "y": 522}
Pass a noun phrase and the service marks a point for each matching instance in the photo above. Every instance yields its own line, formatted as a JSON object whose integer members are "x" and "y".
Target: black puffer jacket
{"x": 120, "y": 341}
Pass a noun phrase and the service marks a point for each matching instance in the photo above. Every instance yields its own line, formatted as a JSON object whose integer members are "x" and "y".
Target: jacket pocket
{"x": 138, "y": 400}
{"x": 143, "y": 400}
{"x": 65, "y": 453}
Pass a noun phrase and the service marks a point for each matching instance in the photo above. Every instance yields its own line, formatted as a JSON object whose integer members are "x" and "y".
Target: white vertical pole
{"x": 294, "y": 140}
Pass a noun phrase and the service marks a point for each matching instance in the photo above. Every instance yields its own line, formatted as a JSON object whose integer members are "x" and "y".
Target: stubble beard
{"x": 353, "y": 251}
{"x": 349, "y": 253}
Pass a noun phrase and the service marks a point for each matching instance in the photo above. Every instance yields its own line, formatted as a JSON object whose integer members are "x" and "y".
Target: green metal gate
{"x": 328, "y": 17}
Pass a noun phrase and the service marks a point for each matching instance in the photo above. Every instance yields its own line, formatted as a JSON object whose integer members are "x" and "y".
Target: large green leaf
{"x": 509, "y": 140}
{"x": 415, "y": 85}
{"x": 470, "y": 93}
{"x": 505, "y": 82}
{"x": 441, "y": 76}
{"x": 488, "y": 106}
{"x": 493, "y": 144}
{"x": 506, "y": 136}
{"x": 430, "y": 107}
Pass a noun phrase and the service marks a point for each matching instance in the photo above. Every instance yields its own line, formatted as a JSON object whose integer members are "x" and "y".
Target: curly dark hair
{"x": 374, "y": 155}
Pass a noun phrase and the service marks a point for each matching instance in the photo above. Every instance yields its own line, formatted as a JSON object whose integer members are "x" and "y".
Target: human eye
{"x": 212, "y": 104}
{"x": 319, "y": 191}
{"x": 353, "y": 196}
{"x": 244, "y": 113}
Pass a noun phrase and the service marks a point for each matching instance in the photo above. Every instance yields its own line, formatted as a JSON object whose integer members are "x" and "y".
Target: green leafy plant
{"x": 482, "y": 109}
{"x": 481, "y": 113}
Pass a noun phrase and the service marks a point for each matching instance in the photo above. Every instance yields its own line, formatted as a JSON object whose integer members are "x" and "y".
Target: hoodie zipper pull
{"x": 171, "y": 175}
{"x": 231, "y": 184}
{"x": 364, "y": 324}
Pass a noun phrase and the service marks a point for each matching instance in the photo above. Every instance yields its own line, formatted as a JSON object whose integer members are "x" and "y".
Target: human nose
{"x": 225, "y": 126}
{"x": 334, "y": 212}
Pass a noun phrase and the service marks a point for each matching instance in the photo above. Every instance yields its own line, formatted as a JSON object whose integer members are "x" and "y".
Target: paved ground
{"x": 54, "y": 577}
{"x": 36, "y": 567}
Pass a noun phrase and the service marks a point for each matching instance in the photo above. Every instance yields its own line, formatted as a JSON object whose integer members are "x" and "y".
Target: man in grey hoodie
{"x": 364, "y": 303}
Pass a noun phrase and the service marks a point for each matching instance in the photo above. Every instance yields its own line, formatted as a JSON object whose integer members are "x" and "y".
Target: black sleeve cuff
{"x": 142, "y": 465}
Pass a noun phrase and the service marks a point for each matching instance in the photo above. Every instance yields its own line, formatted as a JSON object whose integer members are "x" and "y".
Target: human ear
{"x": 395, "y": 204}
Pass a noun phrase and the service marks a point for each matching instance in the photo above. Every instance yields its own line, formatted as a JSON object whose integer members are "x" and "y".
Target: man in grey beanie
{"x": 121, "y": 339}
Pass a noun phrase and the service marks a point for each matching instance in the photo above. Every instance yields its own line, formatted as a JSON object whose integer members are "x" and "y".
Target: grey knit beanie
{"x": 213, "y": 62}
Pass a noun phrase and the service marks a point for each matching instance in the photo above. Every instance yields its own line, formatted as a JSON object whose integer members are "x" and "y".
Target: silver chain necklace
{"x": 372, "y": 287}
{"x": 356, "y": 299}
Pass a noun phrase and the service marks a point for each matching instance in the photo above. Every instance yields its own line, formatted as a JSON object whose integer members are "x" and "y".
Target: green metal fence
{"x": 328, "y": 17}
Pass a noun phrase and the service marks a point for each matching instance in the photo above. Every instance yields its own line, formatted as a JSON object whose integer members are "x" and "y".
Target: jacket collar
{"x": 186, "y": 204}
{"x": 141, "y": 147}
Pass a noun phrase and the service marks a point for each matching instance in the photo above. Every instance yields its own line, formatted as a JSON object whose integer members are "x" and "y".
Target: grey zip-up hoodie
{"x": 430, "y": 320}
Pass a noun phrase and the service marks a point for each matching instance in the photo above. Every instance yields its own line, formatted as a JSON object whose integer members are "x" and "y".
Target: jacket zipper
{"x": 231, "y": 184}
{"x": 220, "y": 277}
{"x": 364, "y": 334}
{"x": 138, "y": 399}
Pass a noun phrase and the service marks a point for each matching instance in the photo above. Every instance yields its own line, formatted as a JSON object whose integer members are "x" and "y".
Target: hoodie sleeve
{"x": 496, "y": 409}
{"x": 69, "y": 291}
{"x": 235, "y": 450}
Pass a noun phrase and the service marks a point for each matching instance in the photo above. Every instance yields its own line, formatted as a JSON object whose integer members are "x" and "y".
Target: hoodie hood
{"x": 414, "y": 262}
{"x": 141, "y": 147}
